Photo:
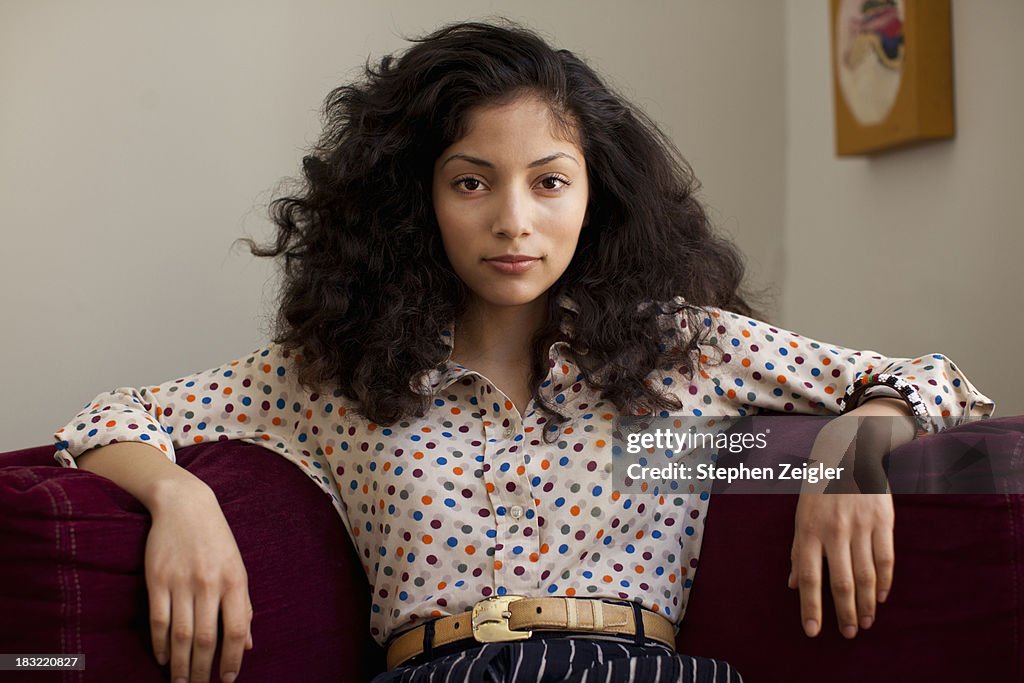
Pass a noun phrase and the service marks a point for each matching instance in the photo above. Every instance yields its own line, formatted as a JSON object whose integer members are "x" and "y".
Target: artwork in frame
{"x": 892, "y": 73}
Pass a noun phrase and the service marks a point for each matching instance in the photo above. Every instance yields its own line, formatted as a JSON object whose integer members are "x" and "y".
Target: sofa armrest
{"x": 74, "y": 545}
{"x": 957, "y": 601}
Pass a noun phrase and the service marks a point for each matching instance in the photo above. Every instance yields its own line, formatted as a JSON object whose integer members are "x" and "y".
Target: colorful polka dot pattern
{"x": 469, "y": 501}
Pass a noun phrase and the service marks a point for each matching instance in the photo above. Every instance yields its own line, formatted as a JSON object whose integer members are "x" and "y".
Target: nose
{"x": 512, "y": 220}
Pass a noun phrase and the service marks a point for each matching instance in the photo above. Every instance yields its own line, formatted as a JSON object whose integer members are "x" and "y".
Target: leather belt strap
{"x": 513, "y": 617}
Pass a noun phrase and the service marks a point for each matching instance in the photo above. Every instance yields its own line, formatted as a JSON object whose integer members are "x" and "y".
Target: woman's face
{"x": 511, "y": 198}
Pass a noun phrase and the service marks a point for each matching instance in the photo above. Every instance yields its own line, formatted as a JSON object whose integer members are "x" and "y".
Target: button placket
{"x": 518, "y": 502}
{"x": 515, "y": 527}
{"x": 501, "y": 451}
{"x": 522, "y": 517}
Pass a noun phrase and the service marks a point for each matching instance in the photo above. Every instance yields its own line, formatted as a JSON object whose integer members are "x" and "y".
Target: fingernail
{"x": 882, "y": 595}
{"x": 180, "y": 680}
{"x": 849, "y": 631}
{"x": 229, "y": 677}
{"x": 865, "y": 622}
{"x": 811, "y": 627}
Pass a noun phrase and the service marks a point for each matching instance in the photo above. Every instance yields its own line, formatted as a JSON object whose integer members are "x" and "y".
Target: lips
{"x": 512, "y": 258}
{"x": 512, "y": 264}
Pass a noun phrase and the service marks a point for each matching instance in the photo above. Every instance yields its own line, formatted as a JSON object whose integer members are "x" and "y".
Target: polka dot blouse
{"x": 469, "y": 501}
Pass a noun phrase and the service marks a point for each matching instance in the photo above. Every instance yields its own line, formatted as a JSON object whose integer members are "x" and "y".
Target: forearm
{"x": 892, "y": 413}
{"x": 145, "y": 472}
{"x": 859, "y": 441}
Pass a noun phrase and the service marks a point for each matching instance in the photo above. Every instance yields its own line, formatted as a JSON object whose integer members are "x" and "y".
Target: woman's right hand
{"x": 194, "y": 572}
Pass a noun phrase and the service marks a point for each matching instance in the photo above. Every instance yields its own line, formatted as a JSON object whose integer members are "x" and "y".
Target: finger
{"x": 204, "y": 642}
{"x": 840, "y": 571}
{"x": 237, "y": 615}
{"x": 248, "y": 645}
{"x": 160, "y": 624}
{"x": 808, "y": 576}
{"x": 865, "y": 579}
{"x": 885, "y": 560}
{"x": 181, "y": 635}
{"x": 791, "y": 581}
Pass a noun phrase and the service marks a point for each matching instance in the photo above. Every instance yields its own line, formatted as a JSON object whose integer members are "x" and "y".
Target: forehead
{"x": 525, "y": 124}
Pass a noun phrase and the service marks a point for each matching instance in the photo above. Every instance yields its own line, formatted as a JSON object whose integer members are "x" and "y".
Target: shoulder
{"x": 266, "y": 369}
{"x": 688, "y": 319}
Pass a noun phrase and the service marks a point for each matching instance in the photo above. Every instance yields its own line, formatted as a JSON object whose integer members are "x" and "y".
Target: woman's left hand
{"x": 854, "y": 533}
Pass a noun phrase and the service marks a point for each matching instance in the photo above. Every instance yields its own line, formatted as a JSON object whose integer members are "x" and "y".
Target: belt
{"x": 511, "y": 617}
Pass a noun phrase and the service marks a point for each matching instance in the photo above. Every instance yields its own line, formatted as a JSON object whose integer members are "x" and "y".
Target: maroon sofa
{"x": 71, "y": 577}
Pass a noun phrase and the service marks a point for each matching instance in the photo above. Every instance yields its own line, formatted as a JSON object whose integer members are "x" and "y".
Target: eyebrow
{"x": 532, "y": 164}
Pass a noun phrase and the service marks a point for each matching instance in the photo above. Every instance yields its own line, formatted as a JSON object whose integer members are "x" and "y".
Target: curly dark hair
{"x": 368, "y": 289}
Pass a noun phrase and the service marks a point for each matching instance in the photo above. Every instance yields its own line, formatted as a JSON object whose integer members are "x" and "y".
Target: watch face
{"x": 869, "y": 54}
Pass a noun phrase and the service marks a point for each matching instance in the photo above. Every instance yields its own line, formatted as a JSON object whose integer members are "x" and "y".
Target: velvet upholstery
{"x": 72, "y": 581}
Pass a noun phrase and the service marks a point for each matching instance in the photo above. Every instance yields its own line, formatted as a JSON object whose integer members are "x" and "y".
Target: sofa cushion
{"x": 957, "y": 600}
{"x": 78, "y": 542}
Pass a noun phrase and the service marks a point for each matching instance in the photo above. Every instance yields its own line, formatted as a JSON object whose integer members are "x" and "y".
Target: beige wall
{"x": 919, "y": 250}
{"x": 137, "y": 140}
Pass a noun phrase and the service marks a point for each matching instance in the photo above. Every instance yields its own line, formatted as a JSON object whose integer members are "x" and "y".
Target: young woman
{"x": 491, "y": 257}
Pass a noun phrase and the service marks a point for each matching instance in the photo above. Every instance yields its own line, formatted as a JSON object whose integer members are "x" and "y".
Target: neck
{"x": 498, "y": 334}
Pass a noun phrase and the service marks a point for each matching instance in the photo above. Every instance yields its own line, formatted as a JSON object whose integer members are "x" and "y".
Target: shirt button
{"x": 516, "y": 512}
{"x": 510, "y": 432}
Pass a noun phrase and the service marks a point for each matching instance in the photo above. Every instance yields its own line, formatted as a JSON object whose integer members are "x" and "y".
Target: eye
{"x": 467, "y": 184}
{"x": 554, "y": 182}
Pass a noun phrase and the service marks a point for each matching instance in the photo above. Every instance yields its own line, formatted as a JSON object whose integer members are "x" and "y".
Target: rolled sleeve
{"x": 763, "y": 367}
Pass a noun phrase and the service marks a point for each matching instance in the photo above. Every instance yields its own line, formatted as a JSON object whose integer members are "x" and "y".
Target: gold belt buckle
{"x": 490, "y": 620}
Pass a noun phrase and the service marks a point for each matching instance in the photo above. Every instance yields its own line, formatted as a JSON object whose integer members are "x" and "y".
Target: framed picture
{"x": 892, "y": 73}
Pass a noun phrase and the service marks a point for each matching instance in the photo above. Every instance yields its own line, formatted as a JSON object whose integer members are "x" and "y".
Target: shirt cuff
{"x": 889, "y": 385}
{"x": 63, "y": 458}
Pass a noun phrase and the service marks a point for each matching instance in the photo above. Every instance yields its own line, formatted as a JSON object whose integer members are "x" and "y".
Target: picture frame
{"x": 892, "y": 73}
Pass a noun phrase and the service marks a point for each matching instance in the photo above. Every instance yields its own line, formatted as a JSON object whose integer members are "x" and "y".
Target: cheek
{"x": 457, "y": 242}
{"x": 451, "y": 246}
{"x": 447, "y": 223}
{"x": 568, "y": 240}
{"x": 453, "y": 228}
{"x": 571, "y": 231}
{"x": 446, "y": 215}
{"x": 579, "y": 215}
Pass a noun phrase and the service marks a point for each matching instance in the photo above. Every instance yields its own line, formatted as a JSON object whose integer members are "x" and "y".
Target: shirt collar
{"x": 448, "y": 372}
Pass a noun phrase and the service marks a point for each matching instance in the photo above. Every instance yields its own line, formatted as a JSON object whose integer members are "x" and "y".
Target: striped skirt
{"x": 561, "y": 658}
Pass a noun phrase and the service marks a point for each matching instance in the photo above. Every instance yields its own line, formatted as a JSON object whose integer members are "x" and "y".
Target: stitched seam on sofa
{"x": 60, "y": 565}
{"x": 62, "y": 581}
{"x": 73, "y": 565}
